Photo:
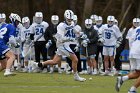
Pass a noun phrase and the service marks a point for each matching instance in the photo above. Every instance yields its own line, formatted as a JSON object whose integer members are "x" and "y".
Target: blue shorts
{"x": 3, "y": 50}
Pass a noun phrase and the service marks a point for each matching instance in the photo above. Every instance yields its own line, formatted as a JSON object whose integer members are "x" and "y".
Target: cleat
{"x": 132, "y": 91}
{"x": 60, "y": 71}
{"x": 78, "y": 78}
{"x": 94, "y": 73}
{"x": 6, "y": 74}
{"x": 105, "y": 73}
{"x": 44, "y": 70}
{"x": 118, "y": 83}
{"x": 24, "y": 70}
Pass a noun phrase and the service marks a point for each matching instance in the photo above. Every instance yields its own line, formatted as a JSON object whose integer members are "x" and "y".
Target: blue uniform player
{"x": 7, "y": 36}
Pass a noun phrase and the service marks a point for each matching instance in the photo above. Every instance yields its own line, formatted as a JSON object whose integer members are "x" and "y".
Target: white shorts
{"x": 64, "y": 50}
{"x": 134, "y": 64}
{"x": 109, "y": 51}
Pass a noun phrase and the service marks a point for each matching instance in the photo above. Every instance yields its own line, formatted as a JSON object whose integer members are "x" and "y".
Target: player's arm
{"x": 12, "y": 33}
{"x": 60, "y": 33}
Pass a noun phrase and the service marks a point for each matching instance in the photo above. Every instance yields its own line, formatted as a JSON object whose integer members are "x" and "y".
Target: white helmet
{"x": 2, "y": 17}
{"x": 75, "y": 19}
{"x": 110, "y": 20}
{"x": 38, "y": 17}
{"x": 93, "y": 17}
{"x": 136, "y": 22}
{"x": 26, "y": 22}
{"x": 99, "y": 20}
{"x": 88, "y": 23}
{"x": 68, "y": 15}
{"x": 55, "y": 19}
{"x": 116, "y": 22}
{"x": 15, "y": 17}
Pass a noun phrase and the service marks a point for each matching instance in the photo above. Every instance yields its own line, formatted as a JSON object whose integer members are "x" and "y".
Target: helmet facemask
{"x": 55, "y": 19}
{"x": 88, "y": 23}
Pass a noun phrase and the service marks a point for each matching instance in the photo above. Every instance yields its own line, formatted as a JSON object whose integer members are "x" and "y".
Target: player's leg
{"x": 95, "y": 71}
{"x": 112, "y": 53}
{"x": 10, "y": 59}
{"x": 133, "y": 75}
{"x": 56, "y": 60}
{"x": 25, "y": 50}
{"x": 106, "y": 59}
{"x": 3, "y": 64}
{"x": 74, "y": 59}
{"x": 89, "y": 66}
{"x": 137, "y": 75}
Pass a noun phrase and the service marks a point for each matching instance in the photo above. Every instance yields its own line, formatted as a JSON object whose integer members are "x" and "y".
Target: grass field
{"x": 58, "y": 83}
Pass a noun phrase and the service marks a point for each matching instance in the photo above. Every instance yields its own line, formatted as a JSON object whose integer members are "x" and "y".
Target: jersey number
{"x": 137, "y": 35}
{"x": 39, "y": 30}
{"x": 70, "y": 33}
{"x": 107, "y": 35}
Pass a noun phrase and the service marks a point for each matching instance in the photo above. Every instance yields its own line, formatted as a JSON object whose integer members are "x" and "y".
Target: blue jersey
{"x": 6, "y": 31}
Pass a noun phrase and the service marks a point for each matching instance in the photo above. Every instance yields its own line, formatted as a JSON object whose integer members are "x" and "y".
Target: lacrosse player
{"x": 7, "y": 35}
{"x": 135, "y": 63}
{"x": 37, "y": 35}
{"x": 25, "y": 33}
{"x": 90, "y": 46}
{"x": 111, "y": 37}
{"x": 65, "y": 34}
{"x": 99, "y": 25}
{"x": 75, "y": 48}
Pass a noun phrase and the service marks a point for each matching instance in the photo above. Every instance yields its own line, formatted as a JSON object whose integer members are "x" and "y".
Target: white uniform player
{"x": 110, "y": 36}
{"x": 135, "y": 60}
{"x": 37, "y": 35}
{"x": 65, "y": 34}
{"x": 17, "y": 51}
{"x": 112, "y": 39}
{"x": 130, "y": 37}
{"x": 131, "y": 31}
{"x": 25, "y": 33}
{"x": 38, "y": 30}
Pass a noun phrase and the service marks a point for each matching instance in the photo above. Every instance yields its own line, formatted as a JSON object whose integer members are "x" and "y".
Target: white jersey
{"x": 77, "y": 29}
{"x": 64, "y": 31}
{"x": 96, "y": 27}
{"x": 39, "y": 30}
{"x": 110, "y": 34}
{"x": 135, "y": 48}
{"x": 18, "y": 33}
{"x": 25, "y": 33}
{"x": 129, "y": 35}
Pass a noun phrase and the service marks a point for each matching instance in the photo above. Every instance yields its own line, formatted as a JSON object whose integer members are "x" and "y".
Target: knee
{"x": 75, "y": 60}
{"x": 13, "y": 57}
{"x": 55, "y": 62}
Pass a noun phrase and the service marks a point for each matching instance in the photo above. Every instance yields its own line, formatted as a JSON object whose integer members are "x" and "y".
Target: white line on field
{"x": 39, "y": 86}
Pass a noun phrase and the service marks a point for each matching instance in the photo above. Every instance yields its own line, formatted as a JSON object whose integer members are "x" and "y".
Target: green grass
{"x": 58, "y": 83}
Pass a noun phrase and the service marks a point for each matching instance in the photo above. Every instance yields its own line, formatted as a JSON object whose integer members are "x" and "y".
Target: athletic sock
{"x": 7, "y": 70}
{"x": 124, "y": 78}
